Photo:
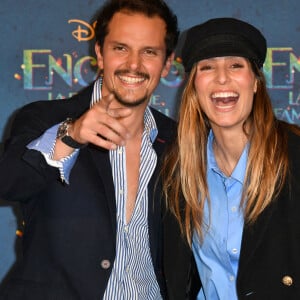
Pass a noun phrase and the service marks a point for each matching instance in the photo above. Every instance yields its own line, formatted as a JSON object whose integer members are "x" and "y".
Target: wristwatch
{"x": 63, "y": 135}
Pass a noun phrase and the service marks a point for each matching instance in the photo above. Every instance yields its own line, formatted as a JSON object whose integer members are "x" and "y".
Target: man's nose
{"x": 134, "y": 61}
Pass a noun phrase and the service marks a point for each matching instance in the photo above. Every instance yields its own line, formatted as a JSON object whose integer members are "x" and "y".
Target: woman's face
{"x": 225, "y": 88}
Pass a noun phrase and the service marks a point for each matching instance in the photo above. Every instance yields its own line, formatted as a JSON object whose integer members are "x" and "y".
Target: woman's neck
{"x": 228, "y": 148}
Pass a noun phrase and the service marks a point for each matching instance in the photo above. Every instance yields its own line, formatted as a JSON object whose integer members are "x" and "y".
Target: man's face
{"x": 133, "y": 57}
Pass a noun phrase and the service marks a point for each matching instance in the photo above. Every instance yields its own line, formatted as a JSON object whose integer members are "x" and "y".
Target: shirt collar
{"x": 150, "y": 125}
{"x": 240, "y": 169}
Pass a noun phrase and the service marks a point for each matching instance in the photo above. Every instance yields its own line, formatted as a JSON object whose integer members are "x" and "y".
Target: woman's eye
{"x": 205, "y": 67}
{"x": 236, "y": 66}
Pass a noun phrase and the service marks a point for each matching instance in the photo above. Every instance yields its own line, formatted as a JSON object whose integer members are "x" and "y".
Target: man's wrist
{"x": 64, "y": 136}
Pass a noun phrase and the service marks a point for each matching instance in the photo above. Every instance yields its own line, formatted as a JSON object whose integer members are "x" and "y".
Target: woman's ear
{"x": 255, "y": 86}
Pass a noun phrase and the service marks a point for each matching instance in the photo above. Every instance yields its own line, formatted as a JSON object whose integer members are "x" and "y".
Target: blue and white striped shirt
{"x": 133, "y": 274}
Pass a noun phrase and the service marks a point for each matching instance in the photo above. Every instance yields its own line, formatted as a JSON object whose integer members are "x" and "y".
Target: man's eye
{"x": 150, "y": 52}
{"x": 119, "y": 48}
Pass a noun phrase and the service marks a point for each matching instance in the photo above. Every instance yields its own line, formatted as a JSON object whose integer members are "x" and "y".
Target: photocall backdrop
{"x": 47, "y": 53}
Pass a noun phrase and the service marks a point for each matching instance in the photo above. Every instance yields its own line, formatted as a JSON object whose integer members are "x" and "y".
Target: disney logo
{"x": 84, "y": 31}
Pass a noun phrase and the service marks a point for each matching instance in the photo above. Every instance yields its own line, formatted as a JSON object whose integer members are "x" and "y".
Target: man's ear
{"x": 168, "y": 65}
{"x": 99, "y": 56}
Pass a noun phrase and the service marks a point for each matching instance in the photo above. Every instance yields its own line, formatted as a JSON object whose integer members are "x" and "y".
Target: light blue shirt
{"x": 218, "y": 257}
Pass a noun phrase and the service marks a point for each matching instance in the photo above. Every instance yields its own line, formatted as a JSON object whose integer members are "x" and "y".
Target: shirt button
{"x": 105, "y": 264}
{"x": 126, "y": 228}
{"x": 287, "y": 280}
{"x": 233, "y": 209}
{"x": 231, "y": 278}
{"x": 234, "y": 251}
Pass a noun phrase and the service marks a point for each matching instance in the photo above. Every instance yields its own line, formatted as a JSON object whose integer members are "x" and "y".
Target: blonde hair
{"x": 184, "y": 170}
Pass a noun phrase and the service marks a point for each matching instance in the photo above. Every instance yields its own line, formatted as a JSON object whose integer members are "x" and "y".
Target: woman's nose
{"x": 222, "y": 76}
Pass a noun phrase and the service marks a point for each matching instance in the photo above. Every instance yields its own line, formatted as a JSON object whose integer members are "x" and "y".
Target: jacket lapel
{"x": 154, "y": 203}
{"x": 101, "y": 160}
{"x": 252, "y": 237}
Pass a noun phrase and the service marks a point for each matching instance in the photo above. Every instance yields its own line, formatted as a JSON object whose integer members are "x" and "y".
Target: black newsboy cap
{"x": 223, "y": 37}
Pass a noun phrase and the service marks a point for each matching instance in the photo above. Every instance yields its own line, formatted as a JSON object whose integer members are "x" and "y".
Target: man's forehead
{"x": 136, "y": 27}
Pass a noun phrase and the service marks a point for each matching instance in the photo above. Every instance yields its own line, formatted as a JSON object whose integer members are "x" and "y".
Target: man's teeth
{"x": 131, "y": 80}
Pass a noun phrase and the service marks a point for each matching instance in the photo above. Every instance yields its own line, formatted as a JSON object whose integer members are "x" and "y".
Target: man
{"x": 92, "y": 216}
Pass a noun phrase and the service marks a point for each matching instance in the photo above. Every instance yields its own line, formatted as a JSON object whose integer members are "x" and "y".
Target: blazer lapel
{"x": 100, "y": 157}
{"x": 102, "y": 164}
{"x": 154, "y": 203}
{"x": 252, "y": 237}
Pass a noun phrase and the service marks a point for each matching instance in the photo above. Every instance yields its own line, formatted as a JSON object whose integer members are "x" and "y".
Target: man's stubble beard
{"x": 121, "y": 97}
{"x": 130, "y": 103}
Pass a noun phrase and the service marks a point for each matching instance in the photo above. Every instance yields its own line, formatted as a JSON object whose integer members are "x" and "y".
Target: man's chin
{"x": 131, "y": 100}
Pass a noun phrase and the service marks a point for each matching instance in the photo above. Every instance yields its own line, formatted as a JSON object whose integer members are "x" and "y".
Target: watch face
{"x": 62, "y": 130}
{"x": 62, "y": 134}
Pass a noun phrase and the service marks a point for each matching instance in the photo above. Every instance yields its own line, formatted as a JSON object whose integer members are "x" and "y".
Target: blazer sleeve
{"x": 24, "y": 172}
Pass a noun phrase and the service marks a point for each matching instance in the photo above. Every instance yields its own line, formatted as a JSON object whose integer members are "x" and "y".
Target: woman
{"x": 236, "y": 167}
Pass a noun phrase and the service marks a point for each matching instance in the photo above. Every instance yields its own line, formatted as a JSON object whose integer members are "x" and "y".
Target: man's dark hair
{"x": 149, "y": 8}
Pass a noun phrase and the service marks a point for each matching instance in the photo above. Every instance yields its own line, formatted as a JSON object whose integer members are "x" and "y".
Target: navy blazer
{"x": 70, "y": 230}
{"x": 269, "y": 266}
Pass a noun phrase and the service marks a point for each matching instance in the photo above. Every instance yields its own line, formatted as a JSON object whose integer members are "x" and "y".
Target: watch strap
{"x": 64, "y": 136}
{"x": 71, "y": 142}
